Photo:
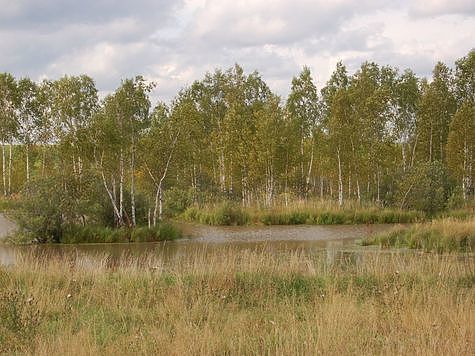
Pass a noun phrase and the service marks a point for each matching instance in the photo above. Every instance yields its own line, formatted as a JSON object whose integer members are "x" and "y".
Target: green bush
{"x": 424, "y": 188}
{"x": 167, "y": 231}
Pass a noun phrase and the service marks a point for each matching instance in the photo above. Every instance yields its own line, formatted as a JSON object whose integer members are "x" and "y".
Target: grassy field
{"x": 246, "y": 302}
{"x": 443, "y": 235}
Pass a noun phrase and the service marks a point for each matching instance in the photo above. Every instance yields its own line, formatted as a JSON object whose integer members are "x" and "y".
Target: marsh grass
{"x": 444, "y": 235}
{"x": 297, "y": 213}
{"x": 242, "y": 302}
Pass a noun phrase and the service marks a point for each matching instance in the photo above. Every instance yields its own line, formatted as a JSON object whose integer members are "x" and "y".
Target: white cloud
{"x": 176, "y": 42}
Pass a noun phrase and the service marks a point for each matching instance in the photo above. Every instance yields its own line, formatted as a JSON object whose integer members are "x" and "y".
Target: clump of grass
{"x": 225, "y": 214}
{"x": 298, "y": 216}
{"x": 244, "y": 302}
{"x": 20, "y": 319}
{"x": 446, "y": 235}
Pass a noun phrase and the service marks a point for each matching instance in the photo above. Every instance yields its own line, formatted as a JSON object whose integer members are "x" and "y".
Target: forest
{"x": 379, "y": 136}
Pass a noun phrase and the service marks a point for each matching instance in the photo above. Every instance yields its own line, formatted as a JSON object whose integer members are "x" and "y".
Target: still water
{"x": 334, "y": 241}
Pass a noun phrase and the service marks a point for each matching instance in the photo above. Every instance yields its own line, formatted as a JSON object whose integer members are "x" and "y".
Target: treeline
{"x": 378, "y": 135}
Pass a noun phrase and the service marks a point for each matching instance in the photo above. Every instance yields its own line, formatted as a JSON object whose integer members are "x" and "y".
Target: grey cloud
{"x": 56, "y": 13}
{"x": 176, "y": 42}
{"x": 279, "y": 23}
{"x": 427, "y": 8}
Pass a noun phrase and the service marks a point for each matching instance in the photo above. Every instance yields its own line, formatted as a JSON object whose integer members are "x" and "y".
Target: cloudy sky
{"x": 174, "y": 42}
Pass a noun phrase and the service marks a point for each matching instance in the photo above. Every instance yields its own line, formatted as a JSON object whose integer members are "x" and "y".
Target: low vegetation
{"x": 251, "y": 302}
{"x": 100, "y": 234}
{"x": 445, "y": 235}
{"x": 312, "y": 213}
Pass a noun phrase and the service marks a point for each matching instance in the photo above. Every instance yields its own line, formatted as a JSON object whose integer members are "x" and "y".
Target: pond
{"x": 335, "y": 241}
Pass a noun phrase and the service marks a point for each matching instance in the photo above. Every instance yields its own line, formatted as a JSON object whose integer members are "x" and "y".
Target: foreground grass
{"x": 247, "y": 302}
{"x": 445, "y": 235}
{"x": 312, "y": 213}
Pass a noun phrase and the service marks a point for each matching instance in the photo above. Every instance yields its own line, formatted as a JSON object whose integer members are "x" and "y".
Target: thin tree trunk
{"x": 155, "y": 210}
{"x": 349, "y": 186}
{"x": 321, "y": 187}
{"x": 414, "y": 151}
{"x": 111, "y": 197}
{"x": 378, "y": 182}
{"x": 4, "y": 170}
{"x": 149, "y": 218}
{"x": 403, "y": 149}
{"x": 430, "y": 144}
{"x": 310, "y": 166}
{"x": 465, "y": 175}
{"x": 10, "y": 166}
{"x": 121, "y": 184}
{"x": 132, "y": 184}
{"x": 302, "y": 169}
{"x": 160, "y": 203}
{"x": 340, "y": 180}
{"x": 27, "y": 163}
{"x": 43, "y": 163}
{"x": 358, "y": 190}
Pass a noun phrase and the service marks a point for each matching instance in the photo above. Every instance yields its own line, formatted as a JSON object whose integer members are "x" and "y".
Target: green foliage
{"x": 44, "y": 209}
{"x": 375, "y": 136}
{"x": 425, "y": 188}
{"x": 178, "y": 200}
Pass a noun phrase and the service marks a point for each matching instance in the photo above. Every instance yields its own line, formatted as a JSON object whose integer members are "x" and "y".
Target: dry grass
{"x": 246, "y": 302}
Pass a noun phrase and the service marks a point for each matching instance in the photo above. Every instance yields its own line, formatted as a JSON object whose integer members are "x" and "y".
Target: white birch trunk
{"x": 10, "y": 166}
{"x": 358, "y": 190}
{"x": 121, "y": 185}
{"x": 4, "y": 170}
{"x": 340, "y": 180}
{"x": 132, "y": 184}
{"x": 27, "y": 163}
{"x": 310, "y": 166}
{"x": 111, "y": 198}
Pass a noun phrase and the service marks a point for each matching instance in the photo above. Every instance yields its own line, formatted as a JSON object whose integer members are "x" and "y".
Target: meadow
{"x": 246, "y": 302}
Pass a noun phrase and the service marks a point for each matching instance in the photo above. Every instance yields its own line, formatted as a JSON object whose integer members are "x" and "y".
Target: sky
{"x": 174, "y": 42}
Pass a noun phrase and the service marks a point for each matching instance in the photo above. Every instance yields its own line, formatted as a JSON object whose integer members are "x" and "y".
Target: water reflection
{"x": 335, "y": 243}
